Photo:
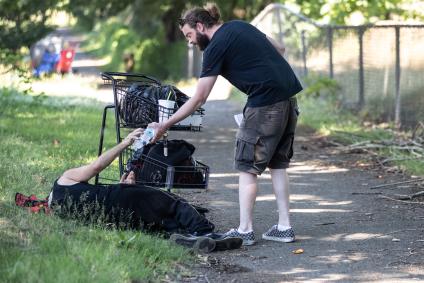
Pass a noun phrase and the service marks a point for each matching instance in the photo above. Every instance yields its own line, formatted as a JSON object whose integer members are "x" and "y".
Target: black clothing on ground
{"x": 135, "y": 206}
{"x": 244, "y": 56}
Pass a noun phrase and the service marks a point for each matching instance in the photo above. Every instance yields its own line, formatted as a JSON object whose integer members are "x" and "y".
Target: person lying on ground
{"x": 133, "y": 206}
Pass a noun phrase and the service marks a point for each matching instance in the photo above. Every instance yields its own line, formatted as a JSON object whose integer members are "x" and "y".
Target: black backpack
{"x": 151, "y": 166}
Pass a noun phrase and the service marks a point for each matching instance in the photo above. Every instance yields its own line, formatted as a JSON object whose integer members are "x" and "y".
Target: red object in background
{"x": 65, "y": 60}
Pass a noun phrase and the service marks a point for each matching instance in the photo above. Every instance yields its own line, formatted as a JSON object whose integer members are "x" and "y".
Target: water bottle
{"x": 147, "y": 136}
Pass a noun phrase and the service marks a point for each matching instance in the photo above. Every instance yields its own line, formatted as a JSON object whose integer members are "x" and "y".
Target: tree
{"x": 89, "y": 12}
{"x": 22, "y": 23}
{"x": 339, "y": 11}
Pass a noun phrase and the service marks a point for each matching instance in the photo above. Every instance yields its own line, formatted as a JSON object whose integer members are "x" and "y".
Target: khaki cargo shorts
{"x": 265, "y": 137}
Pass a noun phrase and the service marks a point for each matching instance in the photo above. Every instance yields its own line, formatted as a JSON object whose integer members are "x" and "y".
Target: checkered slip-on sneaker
{"x": 273, "y": 234}
{"x": 248, "y": 238}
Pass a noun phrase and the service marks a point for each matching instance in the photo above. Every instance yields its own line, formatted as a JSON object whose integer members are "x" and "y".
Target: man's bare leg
{"x": 247, "y": 197}
{"x": 280, "y": 184}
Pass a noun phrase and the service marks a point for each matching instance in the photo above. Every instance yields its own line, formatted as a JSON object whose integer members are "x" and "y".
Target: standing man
{"x": 253, "y": 63}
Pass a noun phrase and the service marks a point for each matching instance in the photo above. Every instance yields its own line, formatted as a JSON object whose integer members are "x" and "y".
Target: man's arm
{"x": 280, "y": 47}
{"x": 203, "y": 89}
{"x": 86, "y": 172}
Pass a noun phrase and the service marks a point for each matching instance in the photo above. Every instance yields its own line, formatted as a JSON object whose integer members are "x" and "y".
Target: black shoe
{"x": 223, "y": 242}
{"x": 198, "y": 244}
{"x": 228, "y": 243}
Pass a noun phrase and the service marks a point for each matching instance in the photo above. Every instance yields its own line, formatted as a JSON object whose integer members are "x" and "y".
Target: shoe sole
{"x": 182, "y": 240}
{"x": 198, "y": 244}
{"x": 204, "y": 245}
{"x": 228, "y": 244}
{"x": 284, "y": 240}
{"x": 248, "y": 242}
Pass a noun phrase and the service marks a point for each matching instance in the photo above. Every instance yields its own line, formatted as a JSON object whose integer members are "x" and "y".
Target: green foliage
{"x": 165, "y": 61}
{"x": 90, "y": 12}
{"x": 39, "y": 140}
{"x": 321, "y": 86}
{"x": 338, "y": 12}
{"x": 22, "y": 23}
{"x": 153, "y": 56}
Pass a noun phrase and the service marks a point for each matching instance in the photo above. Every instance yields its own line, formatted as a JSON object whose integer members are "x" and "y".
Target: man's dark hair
{"x": 209, "y": 16}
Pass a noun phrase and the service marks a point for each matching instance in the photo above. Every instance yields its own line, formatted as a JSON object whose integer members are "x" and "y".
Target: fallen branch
{"x": 324, "y": 224}
{"x": 381, "y": 146}
{"x": 410, "y": 197}
{"x": 397, "y": 183}
{"x": 401, "y": 159}
{"x": 402, "y": 201}
{"x": 376, "y": 193}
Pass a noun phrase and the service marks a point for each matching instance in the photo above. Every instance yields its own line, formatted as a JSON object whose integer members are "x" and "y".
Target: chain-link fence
{"x": 379, "y": 68}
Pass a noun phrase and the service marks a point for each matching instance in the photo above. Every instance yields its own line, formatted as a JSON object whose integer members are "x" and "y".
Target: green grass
{"x": 40, "y": 138}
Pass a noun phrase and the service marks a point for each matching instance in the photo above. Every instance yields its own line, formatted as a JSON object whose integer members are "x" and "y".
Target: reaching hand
{"x": 128, "y": 178}
{"x": 160, "y": 130}
{"x": 129, "y": 140}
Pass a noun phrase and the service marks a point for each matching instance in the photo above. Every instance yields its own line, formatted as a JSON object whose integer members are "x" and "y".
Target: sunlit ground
{"x": 86, "y": 82}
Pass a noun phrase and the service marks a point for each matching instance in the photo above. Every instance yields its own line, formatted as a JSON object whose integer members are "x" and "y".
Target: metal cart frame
{"x": 120, "y": 81}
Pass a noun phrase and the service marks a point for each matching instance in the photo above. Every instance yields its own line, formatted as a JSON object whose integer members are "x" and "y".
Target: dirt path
{"x": 347, "y": 231}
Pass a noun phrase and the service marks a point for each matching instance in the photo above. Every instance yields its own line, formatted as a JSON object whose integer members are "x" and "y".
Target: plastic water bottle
{"x": 147, "y": 136}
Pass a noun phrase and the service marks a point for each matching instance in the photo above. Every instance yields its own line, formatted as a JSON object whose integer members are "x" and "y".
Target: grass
{"x": 40, "y": 138}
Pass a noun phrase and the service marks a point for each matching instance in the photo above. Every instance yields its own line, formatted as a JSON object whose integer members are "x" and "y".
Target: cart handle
{"x": 113, "y": 75}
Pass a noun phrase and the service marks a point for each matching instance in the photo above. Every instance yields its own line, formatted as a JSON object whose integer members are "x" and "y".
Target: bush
{"x": 153, "y": 56}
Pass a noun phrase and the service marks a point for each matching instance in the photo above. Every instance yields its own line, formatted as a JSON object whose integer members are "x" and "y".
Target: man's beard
{"x": 202, "y": 41}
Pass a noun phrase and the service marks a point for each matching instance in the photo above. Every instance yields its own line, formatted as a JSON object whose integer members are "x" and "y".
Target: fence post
{"x": 280, "y": 30}
{"x": 330, "y": 49}
{"x": 190, "y": 62}
{"x": 304, "y": 51}
{"x": 397, "y": 78}
{"x": 361, "y": 98}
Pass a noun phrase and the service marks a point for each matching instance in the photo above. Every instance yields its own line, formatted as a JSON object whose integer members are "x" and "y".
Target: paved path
{"x": 347, "y": 231}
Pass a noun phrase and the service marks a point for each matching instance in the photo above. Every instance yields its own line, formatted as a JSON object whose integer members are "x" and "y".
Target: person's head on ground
{"x": 199, "y": 23}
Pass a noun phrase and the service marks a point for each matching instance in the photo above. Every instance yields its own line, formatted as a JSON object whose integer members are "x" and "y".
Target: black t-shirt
{"x": 79, "y": 193}
{"x": 244, "y": 56}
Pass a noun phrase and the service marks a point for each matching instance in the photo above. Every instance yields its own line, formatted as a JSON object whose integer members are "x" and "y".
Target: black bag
{"x": 150, "y": 165}
{"x": 138, "y": 106}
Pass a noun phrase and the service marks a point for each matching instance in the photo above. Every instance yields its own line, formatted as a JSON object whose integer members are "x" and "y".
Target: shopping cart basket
{"x": 136, "y": 105}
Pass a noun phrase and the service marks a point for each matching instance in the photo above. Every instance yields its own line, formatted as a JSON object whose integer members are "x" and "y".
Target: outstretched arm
{"x": 204, "y": 87}
{"x": 86, "y": 172}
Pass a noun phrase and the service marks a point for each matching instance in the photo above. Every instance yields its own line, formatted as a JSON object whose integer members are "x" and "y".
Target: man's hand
{"x": 203, "y": 89}
{"x": 159, "y": 128}
{"x": 129, "y": 140}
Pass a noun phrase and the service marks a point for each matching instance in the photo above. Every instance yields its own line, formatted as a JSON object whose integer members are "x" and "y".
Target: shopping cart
{"x": 137, "y": 112}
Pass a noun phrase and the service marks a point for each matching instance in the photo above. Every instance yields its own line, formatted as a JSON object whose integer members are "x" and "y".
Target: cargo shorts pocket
{"x": 245, "y": 147}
